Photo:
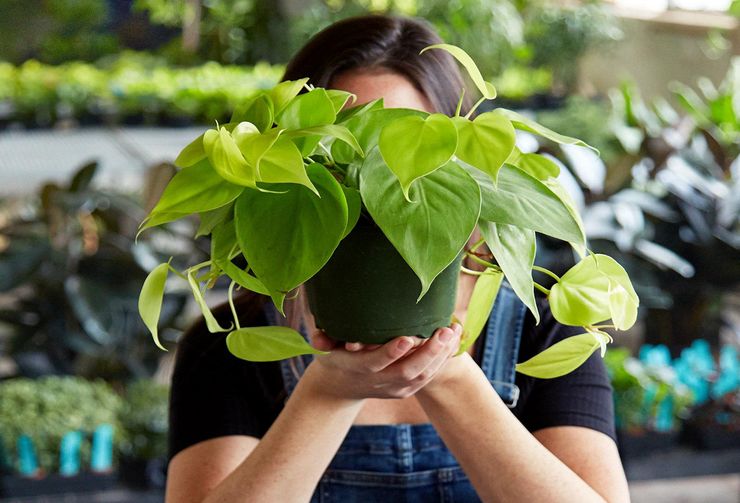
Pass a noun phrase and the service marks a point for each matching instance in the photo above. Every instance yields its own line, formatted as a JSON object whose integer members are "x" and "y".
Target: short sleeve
{"x": 213, "y": 393}
{"x": 581, "y": 398}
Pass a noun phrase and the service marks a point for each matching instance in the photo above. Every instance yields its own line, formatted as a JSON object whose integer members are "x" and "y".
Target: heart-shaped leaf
{"x": 485, "y": 88}
{"x": 479, "y": 308}
{"x": 521, "y": 200}
{"x": 282, "y": 93}
{"x": 524, "y": 123}
{"x": 259, "y": 111}
{"x": 354, "y": 206}
{"x": 192, "y": 153}
{"x": 583, "y": 296}
{"x": 287, "y": 237}
{"x": 535, "y": 165}
{"x": 267, "y": 344}
{"x": 413, "y": 147}
{"x": 514, "y": 249}
{"x": 340, "y": 98}
{"x": 226, "y": 158}
{"x": 333, "y": 130}
{"x": 562, "y": 357}
{"x": 430, "y": 233}
{"x": 486, "y": 142}
{"x": 314, "y": 108}
{"x": 366, "y": 126}
{"x": 194, "y": 189}
{"x": 150, "y": 300}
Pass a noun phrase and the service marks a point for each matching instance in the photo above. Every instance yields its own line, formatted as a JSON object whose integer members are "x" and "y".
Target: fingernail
{"x": 445, "y": 336}
{"x": 404, "y": 344}
{"x": 457, "y": 328}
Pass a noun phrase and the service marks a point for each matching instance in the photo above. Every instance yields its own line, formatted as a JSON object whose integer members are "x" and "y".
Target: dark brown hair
{"x": 382, "y": 42}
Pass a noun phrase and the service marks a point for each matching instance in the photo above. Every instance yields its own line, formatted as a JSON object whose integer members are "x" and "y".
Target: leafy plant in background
{"x": 128, "y": 87}
{"x": 71, "y": 272}
{"x": 48, "y": 408}
{"x": 289, "y": 176}
{"x": 55, "y": 30}
{"x": 648, "y": 396}
{"x": 143, "y": 416}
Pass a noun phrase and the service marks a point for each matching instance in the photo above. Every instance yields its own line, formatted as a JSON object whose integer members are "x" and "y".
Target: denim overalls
{"x": 409, "y": 462}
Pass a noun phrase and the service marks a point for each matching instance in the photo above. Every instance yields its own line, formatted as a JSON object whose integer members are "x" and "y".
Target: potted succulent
{"x": 372, "y": 208}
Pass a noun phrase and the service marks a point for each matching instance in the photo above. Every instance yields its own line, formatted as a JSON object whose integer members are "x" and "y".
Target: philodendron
{"x": 281, "y": 184}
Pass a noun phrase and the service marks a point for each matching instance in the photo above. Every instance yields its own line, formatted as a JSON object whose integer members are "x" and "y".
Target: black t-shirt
{"x": 214, "y": 393}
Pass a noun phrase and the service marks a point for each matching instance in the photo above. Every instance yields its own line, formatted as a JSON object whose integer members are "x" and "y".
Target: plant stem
{"x": 541, "y": 288}
{"x": 479, "y": 260}
{"x": 459, "y": 103}
{"x": 477, "y": 245}
{"x": 471, "y": 272}
{"x": 231, "y": 305}
{"x": 328, "y": 153}
{"x": 546, "y": 271}
{"x": 477, "y": 104}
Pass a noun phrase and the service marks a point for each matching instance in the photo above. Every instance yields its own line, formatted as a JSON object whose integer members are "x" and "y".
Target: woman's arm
{"x": 504, "y": 461}
{"x": 287, "y": 463}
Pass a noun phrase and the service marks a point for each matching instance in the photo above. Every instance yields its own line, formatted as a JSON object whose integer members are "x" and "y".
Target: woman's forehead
{"x": 396, "y": 90}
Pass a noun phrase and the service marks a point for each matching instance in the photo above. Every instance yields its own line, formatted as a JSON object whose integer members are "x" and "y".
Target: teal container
{"x": 367, "y": 292}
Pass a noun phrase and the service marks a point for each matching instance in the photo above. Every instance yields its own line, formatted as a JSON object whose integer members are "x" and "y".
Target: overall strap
{"x": 500, "y": 350}
{"x": 291, "y": 368}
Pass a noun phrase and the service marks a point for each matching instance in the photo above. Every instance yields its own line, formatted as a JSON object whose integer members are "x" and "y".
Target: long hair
{"x": 375, "y": 42}
{"x": 382, "y": 42}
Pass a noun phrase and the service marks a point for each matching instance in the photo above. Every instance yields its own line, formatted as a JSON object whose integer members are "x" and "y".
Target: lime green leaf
{"x": 242, "y": 277}
{"x": 258, "y": 111}
{"x": 267, "y": 344}
{"x": 192, "y": 190}
{"x": 595, "y": 289}
{"x": 430, "y": 233}
{"x": 562, "y": 357}
{"x": 479, "y": 308}
{"x": 565, "y": 197}
{"x": 366, "y": 126}
{"x": 150, "y": 300}
{"x": 210, "y": 219}
{"x": 333, "y": 130}
{"x": 535, "y": 165}
{"x": 226, "y": 158}
{"x": 514, "y": 249}
{"x": 413, "y": 147}
{"x": 522, "y": 200}
{"x": 275, "y": 158}
{"x": 348, "y": 113}
{"x": 354, "y": 205}
{"x": 486, "y": 142}
{"x": 339, "y": 98}
{"x": 313, "y": 108}
{"x": 485, "y": 88}
{"x": 524, "y": 123}
{"x": 287, "y": 237}
{"x": 211, "y": 322}
{"x": 281, "y": 94}
{"x": 192, "y": 153}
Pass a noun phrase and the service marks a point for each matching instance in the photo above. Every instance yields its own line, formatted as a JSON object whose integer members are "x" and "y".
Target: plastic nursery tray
{"x": 13, "y": 485}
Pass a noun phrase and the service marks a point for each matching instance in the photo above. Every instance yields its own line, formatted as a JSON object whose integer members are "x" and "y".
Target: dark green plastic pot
{"x": 367, "y": 293}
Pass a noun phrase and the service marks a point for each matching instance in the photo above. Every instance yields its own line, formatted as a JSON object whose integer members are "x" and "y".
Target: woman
{"x": 406, "y": 420}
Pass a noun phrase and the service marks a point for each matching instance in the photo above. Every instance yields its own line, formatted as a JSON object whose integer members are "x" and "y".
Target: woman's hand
{"x": 396, "y": 369}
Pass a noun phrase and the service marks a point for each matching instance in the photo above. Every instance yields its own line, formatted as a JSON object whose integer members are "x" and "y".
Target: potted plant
{"x": 306, "y": 190}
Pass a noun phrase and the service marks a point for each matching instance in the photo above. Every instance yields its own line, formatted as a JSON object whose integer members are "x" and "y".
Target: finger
{"x": 436, "y": 350}
{"x": 385, "y": 355}
{"x": 322, "y": 342}
{"x": 353, "y": 346}
{"x": 434, "y": 367}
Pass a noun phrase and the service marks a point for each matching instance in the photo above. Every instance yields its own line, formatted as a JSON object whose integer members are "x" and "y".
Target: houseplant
{"x": 291, "y": 175}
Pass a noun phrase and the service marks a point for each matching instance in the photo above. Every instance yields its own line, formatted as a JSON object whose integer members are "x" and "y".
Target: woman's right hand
{"x": 396, "y": 369}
